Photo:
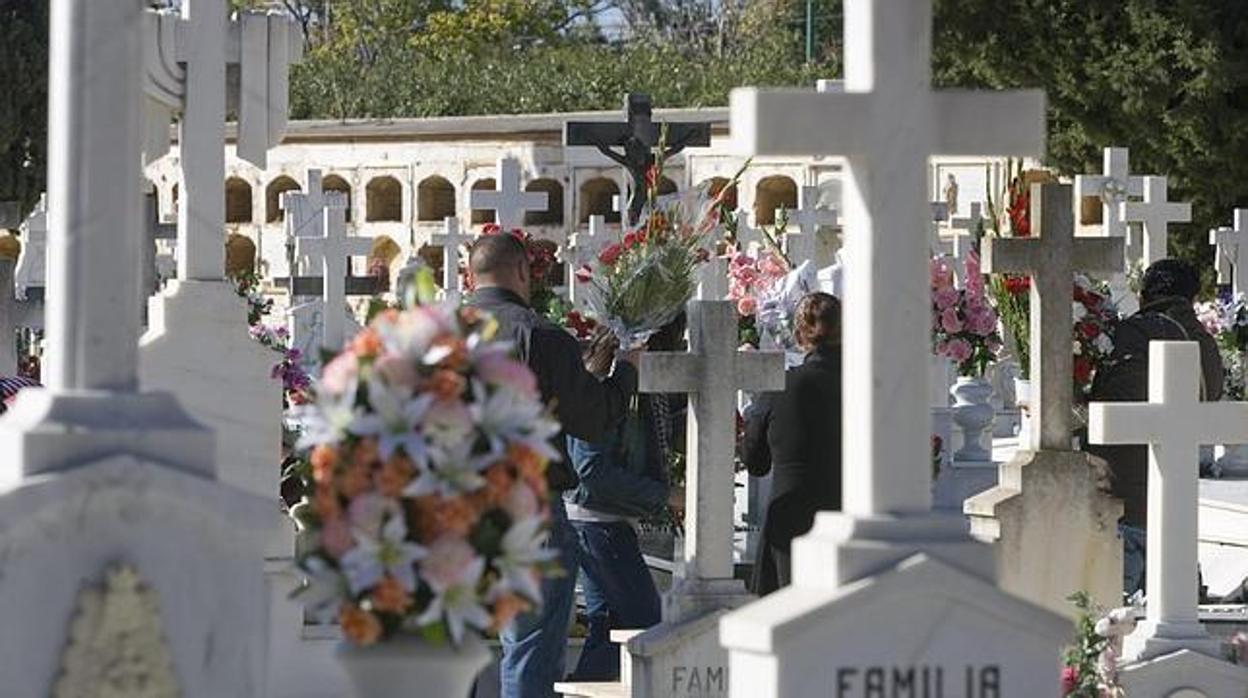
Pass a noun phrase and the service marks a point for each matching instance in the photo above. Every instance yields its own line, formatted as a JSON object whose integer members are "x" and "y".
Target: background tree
{"x": 23, "y": 109}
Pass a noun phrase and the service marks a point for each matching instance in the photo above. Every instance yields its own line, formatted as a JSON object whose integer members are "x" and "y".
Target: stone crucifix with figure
{"x": 803, "y": 244}
{"x": 887, "y": 547}
{"x": 1232, "y": 252}
{"x": 638, "y": 138}
{"x": 450, "y": 240}
{"x": 1154, "y": 214}
{"x": 510, "y": 201}
{"x": 1174, "y": 423}
{"x": 1055, "y": 526}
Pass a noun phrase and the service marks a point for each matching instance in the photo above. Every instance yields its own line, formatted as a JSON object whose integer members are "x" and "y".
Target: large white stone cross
{"x": 886, "y": 123}
{"x": 711, "y": 373}
{"x": 509, "y": 202}
{"x": 450, "y": 239}
{"x": 32, "y": 264}
{"x": 1113, "y": 187}
{"x": 1155, "y": 214}
{"x": 1051, "y": 258}
{"x": 333, "y": 251}
{"x": 1174, "y": 423}
{"x": 1232, "y": 252}
{"x": 801, "y": 246}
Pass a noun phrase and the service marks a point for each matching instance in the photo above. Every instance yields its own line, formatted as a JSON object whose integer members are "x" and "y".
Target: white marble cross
{"x": 887, "y": 122}
{"x": 1154, "y": 214}
{"x": 749, "y": 238}
{"x": 204, "y": 42}
{"x": 713, "y": 279}
{"x": 305, "y": 211}
{"x": 1232, "y": 252}
{"x": 582, "y": 249}
{"x": 509, "y": 202}
{"x": 802, "y": 245}
{"x": 1051, "y": 258}
{"x": 711, "y": 372}
{"x": 1113, "y": 187}
{"x": 1174, "y": 423}
{"x": 450, "y": 240}
{"x": 333, "y": 251}
{"x": 32, "y": 264}
{"x": 963, "y": 232}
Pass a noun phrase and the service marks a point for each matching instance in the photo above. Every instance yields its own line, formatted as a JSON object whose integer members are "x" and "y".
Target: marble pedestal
{"x": 1054, "y": 529}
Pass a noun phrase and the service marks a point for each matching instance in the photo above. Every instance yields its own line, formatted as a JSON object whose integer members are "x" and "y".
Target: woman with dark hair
{"x": 797, "y": 434}
{"x": 623, "y": 478}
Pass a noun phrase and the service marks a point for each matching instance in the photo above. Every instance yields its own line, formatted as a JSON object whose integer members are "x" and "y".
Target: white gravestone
{"x": 803, "y": 244}
{"x": 305, "y": 213}
{"x": 450, "y": 239}
{"x": 332, "y": 254}
{"x": 681, "y": 655}
{"x": 887, "y": 585}
{"x": 582, "y": 249}
{"x": 1154, "y": 214}
{"x": 509, "y": 202}
{"x": 32, "y": 264}
{"x": 96, "y": 473}
{"x": 1174, "y": 423}
{"x": 1054, "y": 529}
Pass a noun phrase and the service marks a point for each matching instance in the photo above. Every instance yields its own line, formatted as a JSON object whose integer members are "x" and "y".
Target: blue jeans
{"x": 619, "y": 594}
{"x": 1133, "y": 549}
{"x": 534, "y": 645}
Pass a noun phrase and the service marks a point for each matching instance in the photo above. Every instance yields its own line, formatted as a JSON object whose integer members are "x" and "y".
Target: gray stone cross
{"x": 509, "y": 202}
{"x": 450, "y": 240}
{"x": 802, "y": 245}
{"x": 711, "y": 372}
{"x": 1051, "y": 259}
{"x": 1154, "y": 214}
{"x": 333, "y": 251}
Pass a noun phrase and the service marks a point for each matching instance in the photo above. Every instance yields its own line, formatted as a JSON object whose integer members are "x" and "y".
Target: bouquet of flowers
{"x": 1226, "y": 319}
{"x": 964, "y": 324}
{"x": 643, "y": 281}
{"x": 1095, "y": 317}
{"x": 1011, "y": 293}
{"x": 1090, "y": 663}
{"x": 424, "y": 458}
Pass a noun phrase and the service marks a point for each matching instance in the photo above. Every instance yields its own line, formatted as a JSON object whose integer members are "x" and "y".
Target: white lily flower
{"x": 523, "y": 548}
{"x": 394, "y": 422}
{"x": 322, "y": 596}
{"x": 329, "y": 420}
{"x": 455, "y": 470}
{"x": 371, "y": 559}
{"x": 505, "y": 417}
{"x": 459, "y": 603}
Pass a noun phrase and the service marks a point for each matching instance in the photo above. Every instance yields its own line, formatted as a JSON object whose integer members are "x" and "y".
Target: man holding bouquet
{"x": 533, "y": 646}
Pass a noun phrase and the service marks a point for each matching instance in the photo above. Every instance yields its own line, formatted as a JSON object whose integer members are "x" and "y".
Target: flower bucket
{"x": 408, "y": 667}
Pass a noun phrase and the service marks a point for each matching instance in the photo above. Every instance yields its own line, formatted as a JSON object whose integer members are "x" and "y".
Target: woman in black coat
{"x": 798, "y": 434}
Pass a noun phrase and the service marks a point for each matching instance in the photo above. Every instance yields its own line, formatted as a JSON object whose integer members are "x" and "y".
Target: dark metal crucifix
{"x": 638, "y": 137}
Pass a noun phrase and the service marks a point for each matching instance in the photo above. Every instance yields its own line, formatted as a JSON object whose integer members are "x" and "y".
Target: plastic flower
{"x": 323, "y": 593}
{"x": 523, "y": 549}
{"x": 498, "y": 369}
{"x": 371, "y": 559}
{"x": 395, "y": 421}
{"x": 456, "y": 600}
{"x": 506, "y": 417}
{"x": 455, "y": 470}
{"x": 411, "y": 334}
{"x": 340, "y": 375}
{"x": 329, "y": 420}
{"x": 1070, "y": 679}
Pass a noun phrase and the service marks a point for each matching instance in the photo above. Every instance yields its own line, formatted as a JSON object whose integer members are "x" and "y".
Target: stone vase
{"x": 408, "y": 667}
{"x": 1022, "y": 398}
{"x": 973, "y": 413}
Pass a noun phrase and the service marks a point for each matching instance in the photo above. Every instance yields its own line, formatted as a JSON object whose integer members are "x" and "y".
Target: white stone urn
{"x": 973, "y": 413}
{"x": 1022, "y": 398}
{"x": 409, "y": 667}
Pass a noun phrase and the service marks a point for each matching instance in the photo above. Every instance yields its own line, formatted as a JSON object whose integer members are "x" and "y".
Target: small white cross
{"x": 1232, "y": 252}
{"x": 800, "y": 246}
{"x": 32, "y": 263}
{"x": 963, "y": 231}
{"x": 450, "y": 239}
{"x": 509, "y": 202}
{"x": 1051, "y": 258}
{"x": 749, "y": 238}
{"x": 582, "y": 249}
{"x": 333, "y": 252}
{"x": 1174, "y": 423}
{"x": 305, "y": 212}
{"x": 711, "y": 372}
{"x": 1113, "y": 187}
{"x": 1155, "y": 214}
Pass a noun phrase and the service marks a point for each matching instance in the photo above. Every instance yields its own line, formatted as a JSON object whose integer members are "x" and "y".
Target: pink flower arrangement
{"x": 424, "y": 454}
{"x": 964, "y": 324}
{"x": 751, "y": 279}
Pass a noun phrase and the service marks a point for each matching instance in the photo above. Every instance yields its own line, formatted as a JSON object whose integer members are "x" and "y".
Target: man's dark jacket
{"x": 585, "y": 406}
{"x": 1125, "y": 379}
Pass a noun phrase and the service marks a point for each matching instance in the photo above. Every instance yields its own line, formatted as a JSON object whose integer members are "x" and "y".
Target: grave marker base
{"x": 1183, "y": 674}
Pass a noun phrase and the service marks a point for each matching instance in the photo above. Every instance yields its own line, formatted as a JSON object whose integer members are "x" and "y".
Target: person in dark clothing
{"x": 622, "y": 478}
{"x": 533, "y": 646}
{"x": 1168, "y": 290}
{"x": 797, "y": 434}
